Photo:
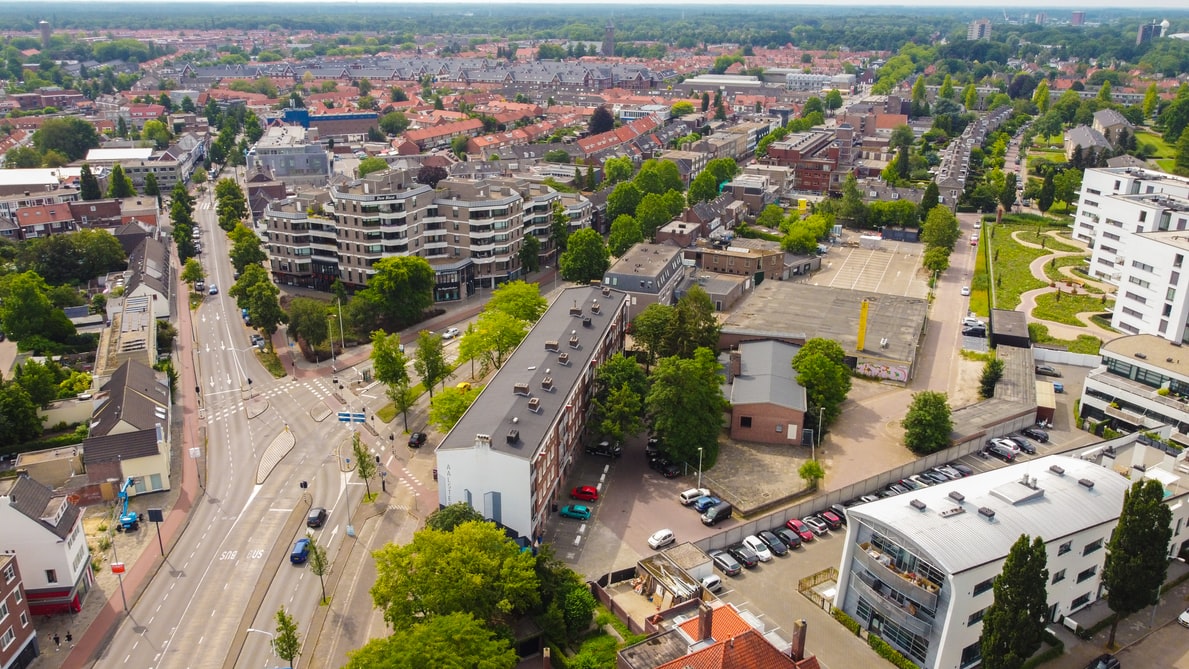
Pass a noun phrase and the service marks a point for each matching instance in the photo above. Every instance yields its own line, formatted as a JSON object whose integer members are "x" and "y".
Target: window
{"x": 9, "y": 573}
{"x": 1089, "y": 573}
{"x": 984, "y": 586}
{"x": 51, "y": 575}
{"x": 745, "y": 421}
{"x": 7, "y": 639}
{"x": 1059, "y": 576}
{"x": 3, "y": 610}
{"x": 1092, "y": 546}
{"x": 24, "y": 619}
{"x": 1079, "y": 602}
{"x": 1065, "y": 548}
{"x": 18, "y": 595}
{"x": 975, "y": 617}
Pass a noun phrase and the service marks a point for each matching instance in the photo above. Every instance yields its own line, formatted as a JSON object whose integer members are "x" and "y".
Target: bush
{"x": 847, "y": 622}
{"x": 888, "y": 653}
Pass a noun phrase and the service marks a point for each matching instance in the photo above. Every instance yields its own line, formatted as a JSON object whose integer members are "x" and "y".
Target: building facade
{"x": 1141, "y": 384}
{"x": 649, "y": 274}
{"x": 45, "y": 533}
{"x": 18, "y": 637}
{"x": 287, "y": 154}
{"x": 509, "y": 455}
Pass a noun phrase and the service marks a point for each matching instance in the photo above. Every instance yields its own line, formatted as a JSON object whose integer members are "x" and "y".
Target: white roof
{"x": 111, "y": 155}
{"x": 34, "y": 177}
{"x": 1058, "y": 505}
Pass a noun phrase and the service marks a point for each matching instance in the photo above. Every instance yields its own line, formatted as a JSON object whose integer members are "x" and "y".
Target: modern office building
{"x": 291, "y": 156}
{"x": 649, "y": 274}
{"x": 509, "y": 455}
{"x": 918, "y": 569}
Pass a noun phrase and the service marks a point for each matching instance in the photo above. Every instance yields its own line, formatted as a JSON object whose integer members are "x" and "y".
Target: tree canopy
{"x": 519, "y": 299}
{"x": 1137, "y": 555}
{"x": 452, "y": 641}
{"x": 586, "y": 257}
{"x": 928, "y": 426}
{"x": 686, "y": 405}
{"x": 401, "y": 289}
{"x": 1012, "y": 625}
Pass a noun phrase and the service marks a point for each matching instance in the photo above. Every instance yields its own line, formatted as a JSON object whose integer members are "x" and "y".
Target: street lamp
{"x": 699, "y": 466}
{"x": 817, "y": 437}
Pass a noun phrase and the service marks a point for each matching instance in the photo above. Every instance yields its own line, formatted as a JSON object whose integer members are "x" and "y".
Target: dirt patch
{"x": 970, "y": 372}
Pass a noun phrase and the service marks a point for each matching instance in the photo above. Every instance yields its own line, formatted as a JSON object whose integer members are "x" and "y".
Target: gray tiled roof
{"x": 134, "y": 393}
{"x": 35, "y": 499}
{"x": 768, "y": 376}
{"x": 114, "y": 447}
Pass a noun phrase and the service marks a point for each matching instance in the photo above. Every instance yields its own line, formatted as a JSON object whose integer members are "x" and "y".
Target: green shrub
{"x": 888, "y": 653}
{"x": 847, "y": 622}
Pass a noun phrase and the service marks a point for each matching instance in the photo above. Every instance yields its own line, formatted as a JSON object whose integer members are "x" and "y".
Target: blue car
{"x": 576, "y": 511}
{"x": 301, "y": 551}
{"x": 703, "y": 503}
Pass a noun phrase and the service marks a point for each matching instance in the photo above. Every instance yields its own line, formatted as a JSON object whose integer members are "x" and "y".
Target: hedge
{"x": 847, "y": 622}
{"x": 888, "y": 653}
{"x": 1055, "y": 650}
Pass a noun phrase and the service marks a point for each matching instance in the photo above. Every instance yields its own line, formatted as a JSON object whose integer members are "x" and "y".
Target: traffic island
{"x": 256, "y": 406}
{"x": 277, "y": 450}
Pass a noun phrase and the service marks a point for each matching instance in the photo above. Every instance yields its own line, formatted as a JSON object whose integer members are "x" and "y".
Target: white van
{"x": 690, "y": 496}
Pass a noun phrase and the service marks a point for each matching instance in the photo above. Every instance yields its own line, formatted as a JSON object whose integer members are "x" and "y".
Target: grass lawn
{"x": 1048, "y": 242}
{"x": 271, "y": 362}
{"x": 1049, "y": 308}
{"x": 1167, "y": 164}
{"x": 1011, "y": 261}
{"x": 1051, "y": 156}
{"x": 1163, "y": 150}
{"x": 1083, "y": 344}
{"x": 1053, "y": 266}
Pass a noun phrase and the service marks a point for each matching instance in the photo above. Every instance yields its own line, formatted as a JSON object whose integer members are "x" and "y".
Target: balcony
{"x": 905, "y": 616}
{"x": 912, "y": 586}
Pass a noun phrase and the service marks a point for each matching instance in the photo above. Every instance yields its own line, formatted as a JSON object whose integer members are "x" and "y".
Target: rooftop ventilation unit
{"x": 989, "y": 514}
{"x": 606, "y": 291}
{"x": 534, "y": 405}
{"x": 547, "y": 383}
{"x": 520, "y": 389}
{"x": 917, "y": 504}
{"x": 1058, "y": 470}
{"x": 563, "y": 359}
{"x": 957, "y": 497}
{"x": 1086, "y": 483}
{"x": 575, "y": 310}
{"x": 586, "y": 322}
{"x": 552, "y": 345}
{"x": 574, "y": 341}
{"x": 513, "y": 436}
{"x": 595, "y": 308}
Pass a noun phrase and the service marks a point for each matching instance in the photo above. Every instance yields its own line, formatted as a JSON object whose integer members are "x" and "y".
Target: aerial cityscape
{"x": 610, "y": 336}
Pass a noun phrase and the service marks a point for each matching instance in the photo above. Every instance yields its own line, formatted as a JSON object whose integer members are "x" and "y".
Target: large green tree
{"x": 519, "y": 299}
{"x": 365, "y": 464}
{"x": 388, "y": 360}
{"x": 448, "y": 406}
{"x": 70, "y": 135}
{"x": 940, "y": 229}
{"x": 1013, "y": 624}
{"x": 89, "y": 184}
{"x": 623, "y": 200}
{"x": 72, "y": 259}
{"x": 1137, "y": 554}
{"x": 586, "y": 257}
{"x": 26, "y": 310}
{"x": 625, "y": 233}
{"x": 825, "y": 377}
{"x": 686, "y": 405}
{"x": 492, "y": 338}
{"x": 402, "y": 288}
{"x": 474, "y": 569}
{"x": 119, "y": 185}
{"x": 19, "y": 421}
{"x": 703, "y": 188}
{"x": 449, "y": 517}
{"x": 245, "y": 248}
{"x": 451, "y": 641}
{"x": 257, "y": 293}
{"x": 308, "y": 320}
{"x": 928, "y": 426}
{"x": 429, "y": 361}
{"x": 692, "y": 325}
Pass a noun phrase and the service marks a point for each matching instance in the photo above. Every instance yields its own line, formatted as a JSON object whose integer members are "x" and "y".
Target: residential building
{"x": 44, "y": 531}
{"x": 979, "y": 29}
{"x": 291, "y": 155}
{"x": 18, "y": 638}
{"x": 149, "y": 276}
{"x": 129, "y": 430}
{"x": 508, "y": 457}
{"x": 918, "y": 569}
{"x": 689, "y": 163}
{"x": 648, "y": 273}
{"x": 754, "y": 261}
{"x": 1089, "y": 140}
{"x": 768, "y": 404}
{"x": 1142, "y": 383}
{"x": 1112, "y": 125}
{"x": 821, "y": 158}
{"x": 807, "y": 81}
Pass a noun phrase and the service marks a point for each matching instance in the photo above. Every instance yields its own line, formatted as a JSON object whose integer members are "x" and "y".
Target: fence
{"x": 807, "y": 585}
{"x": 1059, "y": 357}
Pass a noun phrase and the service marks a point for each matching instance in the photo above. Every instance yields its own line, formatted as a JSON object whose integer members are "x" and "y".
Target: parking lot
{"x": 893, "y": 269}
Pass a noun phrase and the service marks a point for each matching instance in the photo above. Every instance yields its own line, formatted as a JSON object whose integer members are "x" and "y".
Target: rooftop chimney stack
{"x": 797, "y": 649}
{"x": 705, "y": 621}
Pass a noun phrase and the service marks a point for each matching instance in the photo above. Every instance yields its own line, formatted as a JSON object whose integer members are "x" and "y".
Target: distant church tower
{"x": 45, "y": 34}
{"x": 609, "y": 40}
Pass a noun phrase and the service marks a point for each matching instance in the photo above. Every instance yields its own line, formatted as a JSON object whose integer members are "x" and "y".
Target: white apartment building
{"x": 1127, "y": 388}
{"x": 45, "y": 533}
{"x": 918, "y": 569}
{"x": 1137, "y": 223}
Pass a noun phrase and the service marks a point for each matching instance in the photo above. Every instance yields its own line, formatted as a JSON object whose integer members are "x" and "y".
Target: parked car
{"x": 789, "y": 537}
{"x": 744, "y": 554}
{"x": 961, "y": 468}
{"x": 1036, "y": 433}
{"x": 801, "y": 529}
{"x": 716, "y": 513}
{"x": 911, "y": 484}
{"x": 585, "y": 493}
{"x": 1023, "y": 444}
{"x": 666, "y": 468}
{"x": 301, "y": 551}
{"x": 758, "y": 547}
{"x": 840, "y": 511}
{"x": 605, "y": 449}
{"x": 816, "y": 524}
{"x": 965, "y": 291}
{"x": 450, "y": 333}
{"x": 1005, "y": 443}
{"x": 726, "y": 563}
{"x": 704, "y": 503}
{"x": 690, "y": 496}
{"x": 1104, "y": 661}
{"x": 316, "y": 517}
{"x": 576, "y": 511}
{"x": 1000, "y": 451}
{"x": 417, "y": 439}
{"x": 948, "y": 472}
{"x": 661, "y": 538}
{"x": 653, "y": 448}
{"x": 1183, "y": 619}
{"x": 831, "y": 520}
{"x": 712, "y": 583}
{"x": 1058, "y": 388}
{"x": 1047, "y": 370}
{"x": 935, "y": 476}
{"x": 773, "y": 542}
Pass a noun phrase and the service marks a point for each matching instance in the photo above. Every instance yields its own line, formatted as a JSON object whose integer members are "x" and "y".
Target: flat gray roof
{"x": 767, "y": 376}
{"x": 833, "y": 313}
{"x": 500, "y": 409}
{"x": 1058, "y": 506}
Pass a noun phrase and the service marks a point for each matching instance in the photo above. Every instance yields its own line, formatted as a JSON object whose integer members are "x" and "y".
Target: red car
{"x": 586, "y": 493}
{"x": 801, "y": 529}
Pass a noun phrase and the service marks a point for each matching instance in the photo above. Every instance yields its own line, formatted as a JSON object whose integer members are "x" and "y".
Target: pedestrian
{"x": 57, "y": 641}
{"x": 69, "y": 638}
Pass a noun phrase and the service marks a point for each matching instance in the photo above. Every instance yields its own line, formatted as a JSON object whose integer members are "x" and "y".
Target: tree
{"x": 388, "y": 360}
{"x": 89, "y": 184}
{"x": 319, "y": 561}
{"x": 586, "y": 257}
{"x": 402, "y": 287}
{"x": 519, "y": 299}
{"x": 70, "y": 135}
{"x": 1182, "y": 161}
{"x": 929, "y": 200}
{"x": 371, "y": 164}
{"x": 255, "y": 292}
{"x": 811, "y": 471}
{"x": 703, "y": 188}
{"x": 245, "y": 248}
{"x": 692, "y": 325}
{"x": 947, "y": 88}
{"x": 119, "y": 185}
{"x": 853, "y": 208}
{"x": 530, "y": 253}
{"x": 428, "y": 361}
{"x": 559, "y": 226}
{"x": 394, "y": 123}
{"x": 453, "y": 640}
{"x": 22, "y": 157}
{"x": 936, "y": 259}
{"x": 813, "y": 105}
{"x": 151, "y": 189}
{"x": 970, "y": 97}
{"x": 365, "y": 466}
{"x": 19, "y": 420}
{"x": 928, "y": 427}
{"x": 600, "y": 121}
{"x": 449, "y": 517}
{"x": 623, "y": 200}
{"x": 705, "y": 101}
{"x": 825, "y": 377}
{"x": 1066, "y": 186}
{"x": 308, "y": 321}
{"x": 650, "y": 329}
{"x": 920, "y": 105}
{"x": 1151, "y": 101}
{"x": 492, "y": 337}
{"x": 430, "y": 175}
{"x": 902, "y": 136}
{"x": 448, "y": 406}
{"x": 940, "y": 228}
{"x": 26, "y": 310}
{"x": 618, "y": 412}
{"x": 1013, "y": 624}
{"x": 686, "y": 405}
{"x": 1137, "y": 554}
{"x": 616, "y": 170}
{"x": 625, "y": 233}
{"x": 72, "y": 259}
{"x": 403, "y": 397}
{"x": 833, "y": 100}
{"x": 474, "y": 569}
{"x": 156, "y": 131}
{"x": 1044, "y": 199}
{"x": 286, "y": 643}
{"x": 1007, "y": 194}
{"x": 1104, "y": 93}
{"x": 681, "y": 108}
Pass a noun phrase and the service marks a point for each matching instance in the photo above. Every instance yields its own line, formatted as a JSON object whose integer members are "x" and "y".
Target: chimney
{"x": 797, "y": 649}
{"x": 705, "y": 621}
{"x": 736, "y": 367}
